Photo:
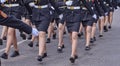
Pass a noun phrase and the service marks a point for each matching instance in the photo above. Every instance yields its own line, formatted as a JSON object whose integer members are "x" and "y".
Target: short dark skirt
{"x": 41, "y": 18}
{"x": 14, "y": 11}
{"x": 87, "y": 19}
{"x": 73, "y": 26}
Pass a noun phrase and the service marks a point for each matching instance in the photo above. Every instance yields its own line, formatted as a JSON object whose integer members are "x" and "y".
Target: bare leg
{"x": 10, "y": 38}
{"x": 110, "y": 19}
{"x": 42, "y": 43}
{"x": 15, "y": 41}
{"x": 74, "y": 43}
{"x": 88, "y": 35}
{"x": 101, "y": 25}
{"x": 105, "y": 24}
{"x": 93, "y": 30}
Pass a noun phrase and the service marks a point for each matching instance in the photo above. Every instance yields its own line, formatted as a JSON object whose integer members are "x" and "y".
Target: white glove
{"x": 118, "y": 7}
{"x": 92, "y": 8}
{"x": 35, "y": 32}
{"x": 69, "y": 3}
{"x": 2, "y": 1}
{"x": 52, "y": 7}
{"x": 32, "y": 4}
{"x": 111, "y": 8}
{"x": 61, "y": 16}
{"x": 94, "y": 16}
{"x": 51, "y": 12}
{"x": 106, "y": 13}
{"x": 101, "y": 17}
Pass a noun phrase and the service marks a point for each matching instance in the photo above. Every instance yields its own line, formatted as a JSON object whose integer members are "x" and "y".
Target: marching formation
{"x": 37, "y": 18}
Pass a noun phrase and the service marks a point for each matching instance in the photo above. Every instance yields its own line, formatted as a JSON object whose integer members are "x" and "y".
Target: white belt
{"x": 104, "y": 2}
{"x": 11, "y": 5}
{"x": 73, "y": 7}
{"x": 62, "y": 6}
{"x": 107, "y": 4}
{"x": 40, "y": 7}
{"x": 84, "y": 8}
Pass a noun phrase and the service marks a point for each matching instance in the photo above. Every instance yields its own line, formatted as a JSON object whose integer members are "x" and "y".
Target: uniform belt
{"x": 84, "y": 8}
{"x": 63, "y": 7}
{"x": 107, "y": 4}
{"x": 73, "y": 7}
{"x": 11, "y": 5}
{"x": 40, "y": 7}
{"x": 104, "y": 2}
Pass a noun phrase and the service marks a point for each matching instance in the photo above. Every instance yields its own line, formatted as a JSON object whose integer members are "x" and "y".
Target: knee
{"x": 42, "y": 34}
{"x": 74, "y": 37}
{"x": 11, "y": 32}
{"x": 88, "y": 31}
{"x": 60, "y": 28}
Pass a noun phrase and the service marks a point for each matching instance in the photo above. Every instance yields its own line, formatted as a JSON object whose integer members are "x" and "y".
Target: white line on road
{"x": 12, "y": 46}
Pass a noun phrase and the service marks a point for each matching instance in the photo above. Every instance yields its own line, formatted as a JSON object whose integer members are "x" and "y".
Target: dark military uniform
{"x": 95, "y": 10}
{"x": 115, "y": 4}
{"x": 75, "y": 16}
{"x": 53, "y": 14}
{"x": 88, "y": 12}
{"x": 103, "y": 4}
{"x": 41, "y": 15}
{"x": 72, "y": 16}
{"x": 13, "y": 7}
{"x": 110, "y": 4}
{"x": 100, "y": 11}
{"x": 27, "y": 10}
{"x": 60, "y": 4}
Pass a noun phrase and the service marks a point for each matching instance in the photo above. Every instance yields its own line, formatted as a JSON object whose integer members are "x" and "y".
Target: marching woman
{"x": 110, "y": 16}
{"x": 61, "y": 24}
{"x": 106, "y": 16}
{"x": 87, "y": 21}
{"x": 73, "y": 18}
{"x": 101, "y": 16}
{"x": 12, "y": 7}
{"x": 12, "y": 21}
{"x": 53, "y": 21}
{"x": 106, "y": 10}
{"x": 41, "y": 17}
{"x": 95, "y": 5}
{"x": 60, "y": 4}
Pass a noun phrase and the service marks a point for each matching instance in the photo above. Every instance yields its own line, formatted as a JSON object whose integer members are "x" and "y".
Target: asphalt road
{"x": 105, "y": 52}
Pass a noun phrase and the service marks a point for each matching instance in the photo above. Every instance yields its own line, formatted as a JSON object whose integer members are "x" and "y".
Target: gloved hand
{"x": 118, "y": 7}
{"x": 35, "y": 32}
{"x": 106, "y": 13}
{"x": 51, "y": 12}
{"x": 61, "y": 16}
{"x": 32, "y": 4}
{"x": 2, "y": 1}
{"x": 52, "y": 7}
{"x": 69, "y": 3}
{"x": 94, "y": 16}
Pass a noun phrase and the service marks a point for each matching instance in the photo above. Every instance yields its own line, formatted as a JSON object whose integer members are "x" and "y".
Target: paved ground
{"x": 105, "y": 52}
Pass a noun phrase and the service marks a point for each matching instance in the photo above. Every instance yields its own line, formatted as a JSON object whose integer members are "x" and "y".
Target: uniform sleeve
{"x": 109, "y": 2}
{"x": 115, "y": 4}
{"x": 29, "y": 9}
{"x": 103, "y": 5}
{"x": 97, "y": 5}
{"x": 56, "y": 8}
{"x": 88, "y": 7}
